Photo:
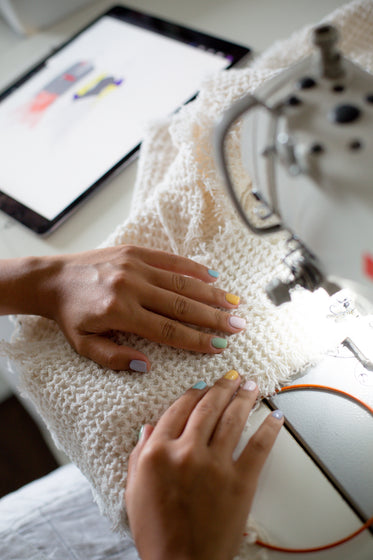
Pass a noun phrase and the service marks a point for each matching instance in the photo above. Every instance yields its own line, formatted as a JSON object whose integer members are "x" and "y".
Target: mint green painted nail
{"x": 199, "y": 385}
{"x": 141, "y": 432}
{"x": 213, "y": 273}
{"x": 219, "y": 342}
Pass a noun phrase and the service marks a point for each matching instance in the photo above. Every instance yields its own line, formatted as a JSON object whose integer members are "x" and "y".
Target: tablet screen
{"x": 87, "y": 107}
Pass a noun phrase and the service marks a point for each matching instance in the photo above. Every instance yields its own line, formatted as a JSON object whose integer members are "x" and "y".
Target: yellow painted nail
{"x": 231, "y": 298}
{"x": 232, "y": 375}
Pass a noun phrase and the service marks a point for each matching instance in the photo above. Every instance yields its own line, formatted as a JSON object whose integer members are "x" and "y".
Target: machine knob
{"x": 325, "y": 37}
{"x": 343, "y": 114}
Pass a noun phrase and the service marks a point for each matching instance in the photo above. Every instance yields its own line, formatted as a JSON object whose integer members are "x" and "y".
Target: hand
{"x": 186, "y": 498}
{"x": 131, "y": 289}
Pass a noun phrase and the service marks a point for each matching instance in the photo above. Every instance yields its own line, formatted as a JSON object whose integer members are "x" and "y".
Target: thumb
{"x": 144, "y": 435}
{"x": 114, "y": 356}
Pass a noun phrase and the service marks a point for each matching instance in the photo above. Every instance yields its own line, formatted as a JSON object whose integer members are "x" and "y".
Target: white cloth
{"x": 55, "y": 518}
{"x": 180, "y": 205}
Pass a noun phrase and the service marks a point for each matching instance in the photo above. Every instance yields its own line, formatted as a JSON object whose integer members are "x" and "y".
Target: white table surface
{"x": 295, "y": 502}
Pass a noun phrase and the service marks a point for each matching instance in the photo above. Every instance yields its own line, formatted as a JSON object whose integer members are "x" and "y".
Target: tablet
{"x": 80, "y": 114}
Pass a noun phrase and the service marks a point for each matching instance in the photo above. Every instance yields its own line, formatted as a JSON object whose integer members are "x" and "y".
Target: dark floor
{"x": 24, "y": 456}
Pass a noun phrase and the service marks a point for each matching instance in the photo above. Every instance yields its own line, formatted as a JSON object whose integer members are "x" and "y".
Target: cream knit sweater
{"x": 179, "y": 205}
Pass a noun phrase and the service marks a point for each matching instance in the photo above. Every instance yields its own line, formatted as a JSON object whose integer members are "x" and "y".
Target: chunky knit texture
{"x": 180, "y": 205}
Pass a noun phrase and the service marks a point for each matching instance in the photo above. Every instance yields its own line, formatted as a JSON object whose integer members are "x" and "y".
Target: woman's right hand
{"x": 186, "y": 498}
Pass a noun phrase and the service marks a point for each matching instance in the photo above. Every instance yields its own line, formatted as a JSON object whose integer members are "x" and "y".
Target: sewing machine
{"x": 307, "y": 144}
{"x": 308, "y": 149}
{"x": 291, "y": 510}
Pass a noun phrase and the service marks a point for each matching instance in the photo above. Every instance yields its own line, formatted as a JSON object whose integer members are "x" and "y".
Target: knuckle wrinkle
{"x": 180, "y": 306}
{"x": 179, "y": 282}
{"x": 168, "y": 331}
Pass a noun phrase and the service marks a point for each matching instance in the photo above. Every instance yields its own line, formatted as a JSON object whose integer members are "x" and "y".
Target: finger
{"x": 176, "y": 263}
{"x": 204, "y": 418}
{"x": 189, "y": 311}
{"x": 144, "y": 435}
{"x": 255, "y": 453}
{"x": 173, "y": 421}
{"x": 190, "y": 287}
{"x": 110, "y": 355}
{"x": 233, "y": 420}
{"x": 161, "y": 329}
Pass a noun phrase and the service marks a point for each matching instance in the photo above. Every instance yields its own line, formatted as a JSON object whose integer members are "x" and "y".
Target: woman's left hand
{"x": 160, "y": 296}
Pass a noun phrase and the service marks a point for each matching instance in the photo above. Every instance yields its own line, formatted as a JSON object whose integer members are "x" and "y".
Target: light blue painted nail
{"x": 278, "y": 414}
{"x": 219, "y": 342}
{"x": 213, "y": 273}
{"x": 139, "y": 366}
{"x": 199, "y": 385}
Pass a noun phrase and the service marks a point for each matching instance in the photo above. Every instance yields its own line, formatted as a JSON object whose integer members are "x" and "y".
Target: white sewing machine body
{"x": 307, "y": 143}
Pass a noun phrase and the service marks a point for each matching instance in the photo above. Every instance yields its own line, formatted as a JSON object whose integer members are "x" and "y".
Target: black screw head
{"x": 323, "y": 29}
{"x": 317, "y": 148}
{"x": 355, "y": 145}
{"x": 306, "y": 83}
{"x": 338, "y": 88}
{"x": 293, "y": 101}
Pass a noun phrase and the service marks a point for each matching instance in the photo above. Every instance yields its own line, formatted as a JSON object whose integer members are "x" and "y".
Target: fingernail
{"x": 249, "y": 385}
{"x": 199, "y": 385}
{"x": 278, "y": 414}
{"x": 141, "y": 432}
{"x": 231, "y": 298}
{"x": 219, "y": 342}
{"x": 231, "y": 375}
{"x": 237, "y": 322}
{"x": 213, "y": 273}
{"x": 139, "y": 366}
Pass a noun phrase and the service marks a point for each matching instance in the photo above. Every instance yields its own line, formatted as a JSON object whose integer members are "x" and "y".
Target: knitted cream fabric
{"x": 179, "y": 205}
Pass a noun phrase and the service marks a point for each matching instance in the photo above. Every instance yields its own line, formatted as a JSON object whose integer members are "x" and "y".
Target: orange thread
{"x": 326, "y": 388}
{"x": 317, "y": 548}
{"x": 366, "y": 524}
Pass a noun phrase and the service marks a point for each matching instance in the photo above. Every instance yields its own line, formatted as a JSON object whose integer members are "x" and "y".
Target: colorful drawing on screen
{"x": 54, "y": 89}
{"x": 98, "y": 87}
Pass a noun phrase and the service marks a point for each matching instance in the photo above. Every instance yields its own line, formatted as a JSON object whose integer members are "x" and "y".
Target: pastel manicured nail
{"x": 218, "y": 342}
{"x": 249, "y": 385}
{"x": 199, "y": 385}
{"x": 278, "y": 414}
{"x": 141, "y": 432}
{"x": 213, "y": 273}
{"x": 231, "y": 298}
{"x": 139, "y": 366}
{"x": 237, "y": 322}
{"x": 231, "y": 375}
